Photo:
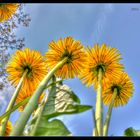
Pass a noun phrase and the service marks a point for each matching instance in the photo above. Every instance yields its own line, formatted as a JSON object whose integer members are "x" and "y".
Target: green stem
{"x": 108, "y": 115}
{"x": 38, "y": 119}
{"x": 41, "y": 111}
{"x": 22, "y": 103}
{"x": 33, "y": 102}
{"x": 12, "y": 102}
{"x": 98, "y": 111}
{"x": 95, "y": 131}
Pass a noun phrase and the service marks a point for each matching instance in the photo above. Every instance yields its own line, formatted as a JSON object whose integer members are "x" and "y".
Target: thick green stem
{"x": 33, "y": 102}
{"x": 22, "y": 103}
{"x": 95, "y": 131}
{"x": 38, "y": 120}
{"x": 41, "y": 111}
{"x": 12, "y": 102}
{"x": 108, "y": 115}
{"x": 98, "y": 111}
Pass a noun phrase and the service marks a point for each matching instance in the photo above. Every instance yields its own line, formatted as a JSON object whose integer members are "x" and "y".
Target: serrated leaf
{"x": 131, "y": 132}
{"x": 63, "y": 101}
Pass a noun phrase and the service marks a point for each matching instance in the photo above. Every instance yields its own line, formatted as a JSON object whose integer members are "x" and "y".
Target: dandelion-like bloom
{"x": 24, "y": 94}
{"x": 124, "y": 87}
{"x": 66, "y": 48}
{"x": 104, "y": 58}
{"x": 7, "y": 10}
{"x": 8, "y": 128}
{"x": 30, "y": 60}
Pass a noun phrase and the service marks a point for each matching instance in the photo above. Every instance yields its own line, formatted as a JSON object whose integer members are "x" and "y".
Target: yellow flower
{"x": 9, "y": 128}
{"x": 24, "y": 94}
{"x": 26, "y": 59}
{"x": 104, "y": 58}
{"x": 71, "y": 49}
{"x": 7, "y": 10}
{"x": 124, "y": 90}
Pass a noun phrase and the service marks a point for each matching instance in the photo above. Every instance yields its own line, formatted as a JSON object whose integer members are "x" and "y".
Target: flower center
{"x": 100, "y": 66}
{"x": 68, "y": 55}
{"x": 118, "y": 87}
{"x": 97, "y": 67}
{"x": 28, "y": 67}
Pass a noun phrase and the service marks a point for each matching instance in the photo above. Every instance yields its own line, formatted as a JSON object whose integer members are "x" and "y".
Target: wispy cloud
{"x": 101, "y": 22}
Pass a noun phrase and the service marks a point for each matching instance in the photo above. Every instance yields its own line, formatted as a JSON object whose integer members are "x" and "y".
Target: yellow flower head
{"x": 104, "y": 58}
{"x": 9, "y": 128}
{"x": 24, "y": 93}
{"x": 7, "y": 10}
{"x": 124, "y": 88}
{"x": 71, "y": 49}
{"x": 26, "y": 60}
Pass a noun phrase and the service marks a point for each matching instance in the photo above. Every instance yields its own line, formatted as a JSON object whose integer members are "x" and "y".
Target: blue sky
{"x": 114, "y": 24}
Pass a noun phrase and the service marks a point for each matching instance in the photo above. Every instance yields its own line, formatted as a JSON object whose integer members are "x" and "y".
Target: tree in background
{"x": 9, "y": 41}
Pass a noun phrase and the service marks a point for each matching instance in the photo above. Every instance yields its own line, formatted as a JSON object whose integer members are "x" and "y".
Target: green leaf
{"x": 62, "y": 101}
{"x": 52, "y": 128}
{"x": 131, "y": 132}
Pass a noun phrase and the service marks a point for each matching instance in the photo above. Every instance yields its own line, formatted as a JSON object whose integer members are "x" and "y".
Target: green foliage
{"x": 51, "y": 128}
{"x": 61, "y": 101}
{"x": 131, "y": 132}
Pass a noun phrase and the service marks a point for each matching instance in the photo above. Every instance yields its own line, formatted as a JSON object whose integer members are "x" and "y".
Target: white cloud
{"x": 101, "y": 22}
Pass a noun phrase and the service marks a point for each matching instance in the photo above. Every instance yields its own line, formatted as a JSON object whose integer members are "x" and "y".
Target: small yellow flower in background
{"x": 9, "y": 128}
{"x": 24, "y": 94}
{"x": 124, "y": 87}
{"x": 28, "y": 59}
{"x": 7, "y": 10}
{"x": 71, "y": 49}
{"x": 105, "y": 58}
